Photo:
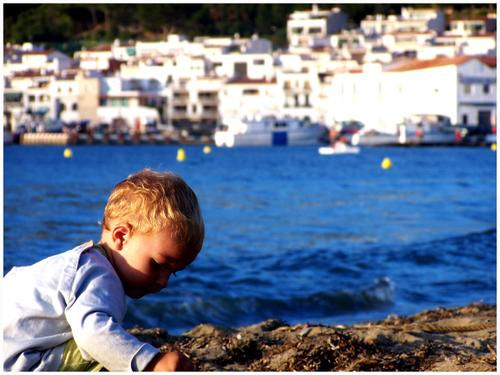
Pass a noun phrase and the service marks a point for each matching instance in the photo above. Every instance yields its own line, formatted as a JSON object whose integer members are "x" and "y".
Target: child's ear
{"x": 121, "y": 234}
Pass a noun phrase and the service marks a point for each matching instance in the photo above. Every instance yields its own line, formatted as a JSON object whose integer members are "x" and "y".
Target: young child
{"x": 65, "y": 312}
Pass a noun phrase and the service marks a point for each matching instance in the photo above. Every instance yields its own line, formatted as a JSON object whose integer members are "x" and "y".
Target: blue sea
{"x": 290, "y": 234}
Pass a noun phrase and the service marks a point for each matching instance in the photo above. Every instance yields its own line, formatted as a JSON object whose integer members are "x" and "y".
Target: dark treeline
{"x": 74, "y": 25}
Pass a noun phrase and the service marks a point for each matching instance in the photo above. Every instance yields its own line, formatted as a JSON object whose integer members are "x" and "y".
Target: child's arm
{"x": 173, "y": 361}
{"x": 95, "y": 310}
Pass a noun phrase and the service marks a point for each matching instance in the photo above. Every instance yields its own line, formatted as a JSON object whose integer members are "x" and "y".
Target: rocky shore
{"x": 455, "y": 339}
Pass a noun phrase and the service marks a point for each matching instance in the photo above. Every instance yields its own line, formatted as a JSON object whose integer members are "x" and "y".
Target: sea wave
{"x": 237, "y": 311}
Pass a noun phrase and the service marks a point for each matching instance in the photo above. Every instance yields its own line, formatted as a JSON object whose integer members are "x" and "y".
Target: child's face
{"x": 145, "y": 262}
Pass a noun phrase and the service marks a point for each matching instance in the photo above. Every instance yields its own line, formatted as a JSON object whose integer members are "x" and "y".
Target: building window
{"x": 102, "y": 102}
{"x": 124, "y": 102}
{"x": 116, "y": 102}
{"x": 465, "y": 120}
{"x": 74, "y": 107}
{"x": 467, "y": 88}
{"x": 296, "y": 97}
{"x": 31, "y": 98}
{"x": 250, "y": 92}
{"x": 486, "y": 89}
{"x": 259, "y": 62}
{"x": 314, "y": 30}
{"x": 307, "y": 104}
{"x": 297, "y": 30}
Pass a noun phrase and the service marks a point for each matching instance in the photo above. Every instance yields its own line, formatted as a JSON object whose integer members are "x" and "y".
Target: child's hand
{"x": 172, "y": 361}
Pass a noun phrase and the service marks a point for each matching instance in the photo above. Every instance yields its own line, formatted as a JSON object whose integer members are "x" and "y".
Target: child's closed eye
{"x": 159, "y": 266}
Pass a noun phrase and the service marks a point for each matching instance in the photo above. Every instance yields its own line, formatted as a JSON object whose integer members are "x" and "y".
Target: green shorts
{"x": 72, "y": 360}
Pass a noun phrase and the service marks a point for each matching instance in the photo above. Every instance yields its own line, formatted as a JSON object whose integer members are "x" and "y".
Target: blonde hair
{"x": 152, "y": 201}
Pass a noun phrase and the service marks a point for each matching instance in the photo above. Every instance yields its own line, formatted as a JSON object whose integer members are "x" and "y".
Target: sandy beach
{"x": 442, "y": 339}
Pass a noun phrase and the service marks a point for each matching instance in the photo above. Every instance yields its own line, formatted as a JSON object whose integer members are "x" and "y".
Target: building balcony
{"x": 180, "y": 100}
{"x": 179, "y": 115}
{"x": 209, "y": 100}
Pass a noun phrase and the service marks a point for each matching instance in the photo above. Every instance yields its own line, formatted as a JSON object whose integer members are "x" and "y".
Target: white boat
{"x": 337, "y": 149}
{"x": 269, "y": 131}
{"x": 371, "y": 137}
{"x": 420, "y": 129}
{"x": 427, "y": 129}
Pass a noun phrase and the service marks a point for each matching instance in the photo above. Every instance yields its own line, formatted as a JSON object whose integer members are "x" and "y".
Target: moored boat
{"x": 338, "y": 148}
{"x": 269, "y": 131}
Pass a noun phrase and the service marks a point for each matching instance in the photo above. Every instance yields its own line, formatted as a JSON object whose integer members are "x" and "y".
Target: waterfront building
{"x": 194, "y": 103}
{"x": 298, "y": 83}
{"x": 462, "y": 88}
{"x": 124, "y": 108}
{"x": 303, "y": 27}
{"x": 64, "y": 94}
{"x": 249, "y": 98}
{"x": 13, "y": 108}
{"x": 88, "y": 97}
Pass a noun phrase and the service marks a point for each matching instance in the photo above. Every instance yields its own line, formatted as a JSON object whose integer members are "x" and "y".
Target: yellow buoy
{"x": 386, "y": 163}
{"x": 207, "y": 149}
{"x": 493, "y": 146}
{"x": 68, "y": 153}
{"x": 181, "y": 154}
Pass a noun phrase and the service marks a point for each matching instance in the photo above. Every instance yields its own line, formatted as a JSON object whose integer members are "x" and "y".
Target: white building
{"x": 64, "y": 92}
{"x": 256, "y": 66}
{"x": 97, "y": 58}
{"x": 176, "y": 44}
{"x": 303, "y": 27}
{"x": 194, "y": 101}
{"x": 124, "y": 107}
{"x": 483, "y": 44}
{"x": 47, "y": 61}
{"x": 473, "y": 26}
{"x": 462, "y": 88}
{"x": 410, "y": 20}
{"x": 298, "y": 81}
{"x": 246, "y": 98}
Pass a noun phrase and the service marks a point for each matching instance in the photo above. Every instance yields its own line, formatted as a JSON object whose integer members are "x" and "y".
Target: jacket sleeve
{"x": 95, "y": 312}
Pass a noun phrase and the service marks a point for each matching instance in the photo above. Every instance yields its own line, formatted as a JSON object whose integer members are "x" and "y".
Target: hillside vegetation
{"x": 68, "y": 27}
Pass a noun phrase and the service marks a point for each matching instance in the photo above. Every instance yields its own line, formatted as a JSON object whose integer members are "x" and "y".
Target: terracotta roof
{"x": 410, "y": 33}
{"x": 100, "y": 48}
{"x": 45, "y": 52}
{"x": 482, "y": 35}
{"x": 442, "y": 61}
{"x": 27, "y": 74}
{"x": 469, "y": 19}
{"x": 491, "y": 61}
